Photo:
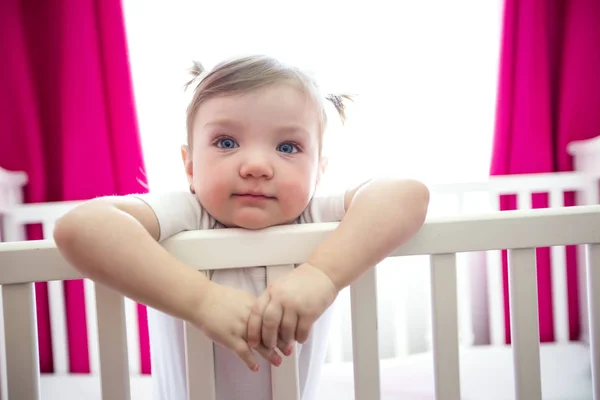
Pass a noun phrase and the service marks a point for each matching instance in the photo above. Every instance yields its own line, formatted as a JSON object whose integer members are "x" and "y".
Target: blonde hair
{"x": 244, "y": 74}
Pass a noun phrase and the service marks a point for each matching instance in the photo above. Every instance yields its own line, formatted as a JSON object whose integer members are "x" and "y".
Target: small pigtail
{"x": 339, "y": 102}
{"x": 197, "y": 71}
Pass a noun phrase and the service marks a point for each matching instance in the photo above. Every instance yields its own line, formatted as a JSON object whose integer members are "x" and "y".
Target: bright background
{"x": 425, "y": 73}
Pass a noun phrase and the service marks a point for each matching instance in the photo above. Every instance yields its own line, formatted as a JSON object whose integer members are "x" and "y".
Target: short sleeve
{"x": 324, "y": 209}
{"x": 177, "y": 212}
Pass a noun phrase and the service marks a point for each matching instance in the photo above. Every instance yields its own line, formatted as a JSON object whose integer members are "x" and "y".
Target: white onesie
{"x": 181, "y": 211}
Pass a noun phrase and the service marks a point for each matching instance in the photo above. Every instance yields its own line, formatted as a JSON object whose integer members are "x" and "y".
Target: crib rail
{"x": 481, "y": 320}
{"x": 521, "y": 183}
{"x": 484, "y": 196}
{"x": 22, "y": 263}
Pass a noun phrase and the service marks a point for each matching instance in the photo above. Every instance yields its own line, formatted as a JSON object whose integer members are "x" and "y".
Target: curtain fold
{"x": 69, "y": 121}
{"x": 548, "y": 96}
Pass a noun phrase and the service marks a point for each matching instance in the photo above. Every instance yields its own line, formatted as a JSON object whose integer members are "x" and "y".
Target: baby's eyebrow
{"x": 293, "y": 130}
{"x": 223, "y": 123}
{"x": 290, "y": 130}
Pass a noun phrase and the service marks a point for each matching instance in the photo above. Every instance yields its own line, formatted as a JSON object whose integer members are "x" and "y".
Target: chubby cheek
{"x": 294, "y": 195}
{"x": 296, "y": 187}
{"x": 211, "y": 185}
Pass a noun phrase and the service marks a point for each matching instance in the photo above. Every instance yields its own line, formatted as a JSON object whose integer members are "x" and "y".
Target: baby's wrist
{"x": 202, "y": 302}
{"x": 324, "y": 271}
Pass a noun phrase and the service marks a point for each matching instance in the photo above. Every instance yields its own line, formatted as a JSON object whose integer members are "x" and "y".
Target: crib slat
{"x": 587, "y": 195}
{"x": 444, "y": 312}
{"x": 112, "y": 344}
{"x": 560, "y": 306}
{"x": 284, "y": 379}
{"x": 465, "y": 297}
{"x": 22, "y": 363}
{"x": 524, "y": 200}
{"x": 12, "y": 231}
{"x": 200, "y": 364}
{"x": 133, "y": 338}
{"x": 58, "y": 316}
{"x": 524, "y": 323}
{"x": 58, "y": 326}
{"x": 495, "y": 287}
{"x": 91, "y": 319}
{"x": 593, "y": 291}
{"x": 365, "y": 339}
{"x": 3, "y": 377}
{"x": 200, "y": 359}
{"x": 560, "y": 309}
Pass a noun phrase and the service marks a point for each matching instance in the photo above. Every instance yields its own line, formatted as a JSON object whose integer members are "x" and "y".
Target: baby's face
{"x": 255, "y": 156}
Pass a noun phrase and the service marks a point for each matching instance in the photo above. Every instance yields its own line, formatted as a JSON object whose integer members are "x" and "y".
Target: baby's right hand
{"x": 223, "y": 317}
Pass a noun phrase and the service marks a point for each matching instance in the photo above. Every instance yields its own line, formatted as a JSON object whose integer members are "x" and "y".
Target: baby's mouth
{"x": 257, "y": 196}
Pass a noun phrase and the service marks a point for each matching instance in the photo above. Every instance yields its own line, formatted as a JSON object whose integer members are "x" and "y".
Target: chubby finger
{"x": 270, "y": 324}
{"x": 285, "y": 348}
{"x": 269, "y": 354}
{"x": 287, "y": 329}
{"x": 255, "y": 320}
{"x": 303, "y": 329}
{"x": 245, "y": 353}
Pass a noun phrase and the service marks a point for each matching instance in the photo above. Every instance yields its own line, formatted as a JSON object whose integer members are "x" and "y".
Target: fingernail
{"x": 255, "y": 367}
{"x": 277, "y": 359}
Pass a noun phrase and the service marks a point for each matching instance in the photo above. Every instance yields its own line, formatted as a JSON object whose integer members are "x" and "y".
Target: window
{"x": 425, "y": 73}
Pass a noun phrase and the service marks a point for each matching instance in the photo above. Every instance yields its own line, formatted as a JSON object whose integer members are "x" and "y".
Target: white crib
{"x": 462, "y": 221}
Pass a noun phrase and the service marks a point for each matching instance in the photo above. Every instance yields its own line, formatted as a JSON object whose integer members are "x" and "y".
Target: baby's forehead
{"x": 285, "y": 113}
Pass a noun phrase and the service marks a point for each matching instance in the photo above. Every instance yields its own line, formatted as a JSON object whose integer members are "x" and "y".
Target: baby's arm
{"x": 114, "y": 241}
{"x": 381, "y": 216}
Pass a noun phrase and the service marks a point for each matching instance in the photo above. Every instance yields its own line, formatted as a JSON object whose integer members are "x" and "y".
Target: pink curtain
{"x": 68, "y": 120}
{"x": 548, "y": 95}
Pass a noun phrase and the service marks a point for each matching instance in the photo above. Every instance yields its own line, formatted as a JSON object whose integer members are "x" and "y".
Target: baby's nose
{"x": 256, "y": 167}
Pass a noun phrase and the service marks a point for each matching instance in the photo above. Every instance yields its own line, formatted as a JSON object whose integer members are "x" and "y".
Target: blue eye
{"x": 288, "y": 148}
{"x": 226, "y": 143}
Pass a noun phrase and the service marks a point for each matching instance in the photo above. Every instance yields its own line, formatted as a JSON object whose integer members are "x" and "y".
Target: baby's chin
{"x": 256, "y": 220}
{"x": 254, "y": 225}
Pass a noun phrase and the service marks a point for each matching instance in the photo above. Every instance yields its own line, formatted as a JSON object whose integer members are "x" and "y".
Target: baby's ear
{"x": 323, "y": 163}
{"x": 188, "y": 165}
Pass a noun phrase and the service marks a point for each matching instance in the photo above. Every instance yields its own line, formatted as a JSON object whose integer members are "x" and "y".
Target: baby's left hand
{"x": 289, "y": 307}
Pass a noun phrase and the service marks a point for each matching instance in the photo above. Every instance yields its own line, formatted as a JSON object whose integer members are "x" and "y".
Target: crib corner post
{"x": 22, "y": 362}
